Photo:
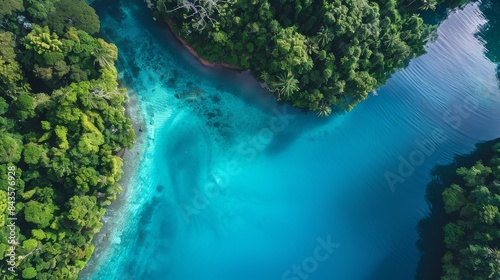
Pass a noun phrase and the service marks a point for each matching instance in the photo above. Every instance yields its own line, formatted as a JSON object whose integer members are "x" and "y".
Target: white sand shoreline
{"x": 131, "y": 159}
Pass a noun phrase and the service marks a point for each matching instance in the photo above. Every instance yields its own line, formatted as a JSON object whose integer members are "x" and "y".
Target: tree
{"x": 312, "y": 47}
{"x": 324, "y": 36}
{"x": 199, "y": 10}
{"x": 286, "y": 85}
{"x": 471, "y": 234}
{"x": 106, "y": 54}
{"x": 428, "y": 5}
{"x": 38, "y": 213}
{"x": 84, "y": 212}
{"x": 10, "y": 148}
{"x": 453, "y": 235}
{"x": 30, "y": 244}
{"x": 3, "y": 208}
{"x": 7, "y": 7}
{"x": 33, "y": 153}
{"x": 60, "y": 167}
{"x": 62, "y": 136}
{"x": 324, "y": 110}
{"x": 38, "y": 234}
{"x": 10, "y": 72}
{"x": 89, "y": 143}
{"x": 3, "y": 106}
{"x": 24, "y": 107}
{"x": 40, "y": 9}
{"x": 74, "y": 13}
{"x": 454, "y": 198}
{"x": 58, "y": 122}
{"x": 29, "y": 273}
{"x": 488, "y": 213}
{"x": 391, "y": 39}
{"x": 86, "y": 177}
{"x": 475, "y": 175}
{"x": 42, "y": 41}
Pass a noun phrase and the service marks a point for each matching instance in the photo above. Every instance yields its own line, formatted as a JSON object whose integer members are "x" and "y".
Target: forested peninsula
{"x": 471, "y": 235}
{"x": 315, "y": 54}
{"x": 62, "y": 122}
{"x": 459, "y": 239}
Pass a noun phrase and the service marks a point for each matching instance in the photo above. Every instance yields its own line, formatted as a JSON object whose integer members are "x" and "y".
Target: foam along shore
{"x": 191, "y": 51}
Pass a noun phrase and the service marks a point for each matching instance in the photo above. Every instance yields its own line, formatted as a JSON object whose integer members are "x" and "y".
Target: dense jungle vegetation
{"x": 314, "y": 54}
{"x": 471, "y": 234}
{"x": 62, "y": 122}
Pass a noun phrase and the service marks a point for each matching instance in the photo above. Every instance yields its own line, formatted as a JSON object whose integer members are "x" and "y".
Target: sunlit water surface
{"x": 231, "y": 185}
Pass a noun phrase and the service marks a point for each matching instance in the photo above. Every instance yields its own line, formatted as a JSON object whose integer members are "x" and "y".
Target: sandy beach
{"x": 131, "y": 159}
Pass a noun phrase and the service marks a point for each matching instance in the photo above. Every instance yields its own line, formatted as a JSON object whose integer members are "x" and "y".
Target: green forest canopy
{"x": 471, "y": 235}
{"x": 62, "y": 122}
{"x": 314, "y": 54}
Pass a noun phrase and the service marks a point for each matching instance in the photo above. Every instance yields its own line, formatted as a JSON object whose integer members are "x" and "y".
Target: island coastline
{"x": 114, "y": 212}
{"x": 192, "y": 52}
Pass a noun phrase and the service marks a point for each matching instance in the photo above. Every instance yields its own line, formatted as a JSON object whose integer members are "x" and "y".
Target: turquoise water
{"x": 231, "y": 185}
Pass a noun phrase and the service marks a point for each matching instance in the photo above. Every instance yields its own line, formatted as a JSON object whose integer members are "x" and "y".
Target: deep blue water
{"x": 230, "y": 185}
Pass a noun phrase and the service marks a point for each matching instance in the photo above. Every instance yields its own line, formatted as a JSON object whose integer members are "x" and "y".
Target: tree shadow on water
{"x": 431, "y": 242}
{"x": 488, "y": 33}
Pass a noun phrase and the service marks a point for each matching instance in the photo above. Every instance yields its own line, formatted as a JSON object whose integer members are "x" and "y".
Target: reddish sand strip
{"x": 120, "y": 153}
{"x": 204, "y": 62}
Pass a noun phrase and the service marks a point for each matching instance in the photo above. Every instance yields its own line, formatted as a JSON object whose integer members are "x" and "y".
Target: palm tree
{"x": 105, "y": 53}
{"x": 286, "y": 85}
{"x": 324, "y": 110}
{"x": 494, "y": 254}
{"x": 324, "y": 36}
{"x": 264, "y": 76}
{"x": 494, "y": 259}
{"x": 91, "y": 102}
{"x": 312, "y": 47}
{"x": 428, "y": 4}
{"x": 391, "y": 39}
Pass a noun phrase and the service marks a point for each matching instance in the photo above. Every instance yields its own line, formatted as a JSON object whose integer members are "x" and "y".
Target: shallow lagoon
{"x": 231, "y": 185}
